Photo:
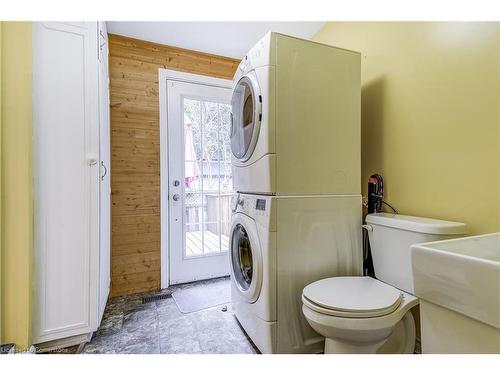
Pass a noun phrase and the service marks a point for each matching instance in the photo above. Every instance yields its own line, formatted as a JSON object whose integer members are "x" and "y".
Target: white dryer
{"x": 278, "y": 245}
{"x": 296, "y": 119}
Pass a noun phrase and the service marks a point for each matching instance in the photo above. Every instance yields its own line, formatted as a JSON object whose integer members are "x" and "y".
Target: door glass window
{"x": 243, "y": 118}
{"x": 207, "y": 177}
{"x": 241, "y": 255}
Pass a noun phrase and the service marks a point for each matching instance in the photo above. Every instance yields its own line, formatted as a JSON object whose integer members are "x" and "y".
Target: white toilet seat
{"x": 359, "y": 320}
{"x": 360, "y": 314}
{"x": 352, "y": 297}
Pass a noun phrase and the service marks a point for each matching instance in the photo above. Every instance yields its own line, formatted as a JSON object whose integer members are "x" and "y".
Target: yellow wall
{"x": 430, "y": 115}
{"x": 16, "y": 183}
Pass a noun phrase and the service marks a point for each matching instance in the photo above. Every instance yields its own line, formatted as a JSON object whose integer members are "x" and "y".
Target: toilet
{"x": 360, "y": 314}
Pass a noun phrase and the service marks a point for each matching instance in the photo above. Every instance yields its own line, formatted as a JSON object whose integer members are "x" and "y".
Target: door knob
{"x": 176, "y": 197}
{"x": 92, "y": 159}
{"x": 177, "y": 183}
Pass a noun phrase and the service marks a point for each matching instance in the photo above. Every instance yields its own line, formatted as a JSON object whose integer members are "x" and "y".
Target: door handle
{"x": 176, "y": 197}
{"x": 105, "y": 171}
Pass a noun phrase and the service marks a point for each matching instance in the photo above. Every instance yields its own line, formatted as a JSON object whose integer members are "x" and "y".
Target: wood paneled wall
{"x": 135, "y": 153}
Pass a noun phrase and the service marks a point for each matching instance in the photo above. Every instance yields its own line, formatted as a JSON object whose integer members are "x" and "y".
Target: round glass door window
{"x": 241, "y": 256}
{"x": 243, "y": 121}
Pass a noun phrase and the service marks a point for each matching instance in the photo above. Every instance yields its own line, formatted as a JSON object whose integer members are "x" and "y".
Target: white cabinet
{"x": 70, "y": 132}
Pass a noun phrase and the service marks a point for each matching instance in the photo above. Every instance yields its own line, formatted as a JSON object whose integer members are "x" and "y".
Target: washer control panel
{"x": 260, "y": 204}
{"x": 250, "y": 205}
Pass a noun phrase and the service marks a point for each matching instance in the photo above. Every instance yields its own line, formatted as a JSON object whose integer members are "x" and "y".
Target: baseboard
{"x": 59, "y": 344}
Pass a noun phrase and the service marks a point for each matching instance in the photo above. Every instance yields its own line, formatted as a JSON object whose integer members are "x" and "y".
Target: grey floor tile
{"x": 103, "y": 345}
{"x": 213, "y": 337}
{"x": 141, "y": 331}
{"x": 211, "y": 322}
{"x": 129, "y": 326}
{"x": 181, "y": 326}
{"x": 187, "y": 344}
{"x": 110, "y": 325}
{"x": 168, "y": 309}
{"x": 137, "y": 319}
{"x": 142, "y": 347}
{"x": 228, "y": 349}
{"x": 142, "y": 335}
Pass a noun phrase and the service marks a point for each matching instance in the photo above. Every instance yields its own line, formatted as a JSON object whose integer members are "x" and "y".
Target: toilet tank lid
{"x": 417, "y": 224}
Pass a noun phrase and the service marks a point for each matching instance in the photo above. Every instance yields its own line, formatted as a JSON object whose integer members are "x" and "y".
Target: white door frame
{"x": 163, "y": 76}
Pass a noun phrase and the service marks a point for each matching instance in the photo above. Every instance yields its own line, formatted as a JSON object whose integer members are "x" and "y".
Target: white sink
{"x": 461, "y": 276}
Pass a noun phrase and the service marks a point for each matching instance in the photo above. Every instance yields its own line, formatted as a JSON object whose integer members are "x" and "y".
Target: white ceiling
{"x": 231, "y": 39}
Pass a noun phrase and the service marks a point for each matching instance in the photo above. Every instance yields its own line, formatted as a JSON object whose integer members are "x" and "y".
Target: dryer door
{"x": 246, "y": 258}
{"x": 246, "y": 115}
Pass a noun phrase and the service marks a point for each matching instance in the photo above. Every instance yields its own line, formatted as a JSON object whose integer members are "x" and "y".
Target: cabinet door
{"x": 66, "y": 179}
{"x": 105, "y": 179}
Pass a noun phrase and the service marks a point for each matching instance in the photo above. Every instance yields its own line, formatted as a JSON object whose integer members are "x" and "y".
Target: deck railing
{"x": 214, "y": 214}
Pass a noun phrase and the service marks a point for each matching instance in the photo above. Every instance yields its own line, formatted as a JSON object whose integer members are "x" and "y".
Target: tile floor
{"x": 131, "y": 327}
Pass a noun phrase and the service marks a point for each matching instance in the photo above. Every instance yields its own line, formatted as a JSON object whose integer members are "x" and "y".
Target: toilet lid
{"x": 356, "y": 296}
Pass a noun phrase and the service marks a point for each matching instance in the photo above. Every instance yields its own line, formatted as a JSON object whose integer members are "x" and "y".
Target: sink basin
{"x": 460, "y": 276}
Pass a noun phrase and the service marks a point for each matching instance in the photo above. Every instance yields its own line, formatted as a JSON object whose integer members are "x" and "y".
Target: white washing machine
{"x": 296, "y": 119}
{"x": 280, "y": 244}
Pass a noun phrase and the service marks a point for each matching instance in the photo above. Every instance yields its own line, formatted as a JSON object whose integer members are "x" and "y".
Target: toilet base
{"x": 343, "y": 347}
{"x": 399, "y": 340}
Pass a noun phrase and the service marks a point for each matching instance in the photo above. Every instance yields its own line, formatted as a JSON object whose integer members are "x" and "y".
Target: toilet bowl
{"x": 360, "y": 314}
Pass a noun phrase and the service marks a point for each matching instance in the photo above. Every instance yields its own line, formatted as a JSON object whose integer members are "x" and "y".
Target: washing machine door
{"x": 246, "y": 115}
{"x": 246, "y": 258}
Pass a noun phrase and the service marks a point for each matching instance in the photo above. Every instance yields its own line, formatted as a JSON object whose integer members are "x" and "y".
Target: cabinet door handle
{"x": 105, "y": 171}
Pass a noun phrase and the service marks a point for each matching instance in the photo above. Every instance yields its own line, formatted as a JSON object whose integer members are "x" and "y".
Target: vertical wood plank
{"x": 135, "y": 153}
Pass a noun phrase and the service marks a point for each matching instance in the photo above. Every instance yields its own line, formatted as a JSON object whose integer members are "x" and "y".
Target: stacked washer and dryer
{"x": 295, "y": 140}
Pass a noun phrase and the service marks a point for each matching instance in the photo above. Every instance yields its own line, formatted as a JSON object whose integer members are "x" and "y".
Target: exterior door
{"x": 199, "y": 180}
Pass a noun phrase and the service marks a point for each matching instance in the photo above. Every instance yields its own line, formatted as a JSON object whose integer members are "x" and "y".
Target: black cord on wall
{"x": 392, "y": 208}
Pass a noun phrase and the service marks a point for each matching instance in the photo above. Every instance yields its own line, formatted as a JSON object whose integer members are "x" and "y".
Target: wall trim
{"x": 165, "y": 75}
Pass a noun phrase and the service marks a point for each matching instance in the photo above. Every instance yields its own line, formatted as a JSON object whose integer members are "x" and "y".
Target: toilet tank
{"x": 392, "y": 235}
